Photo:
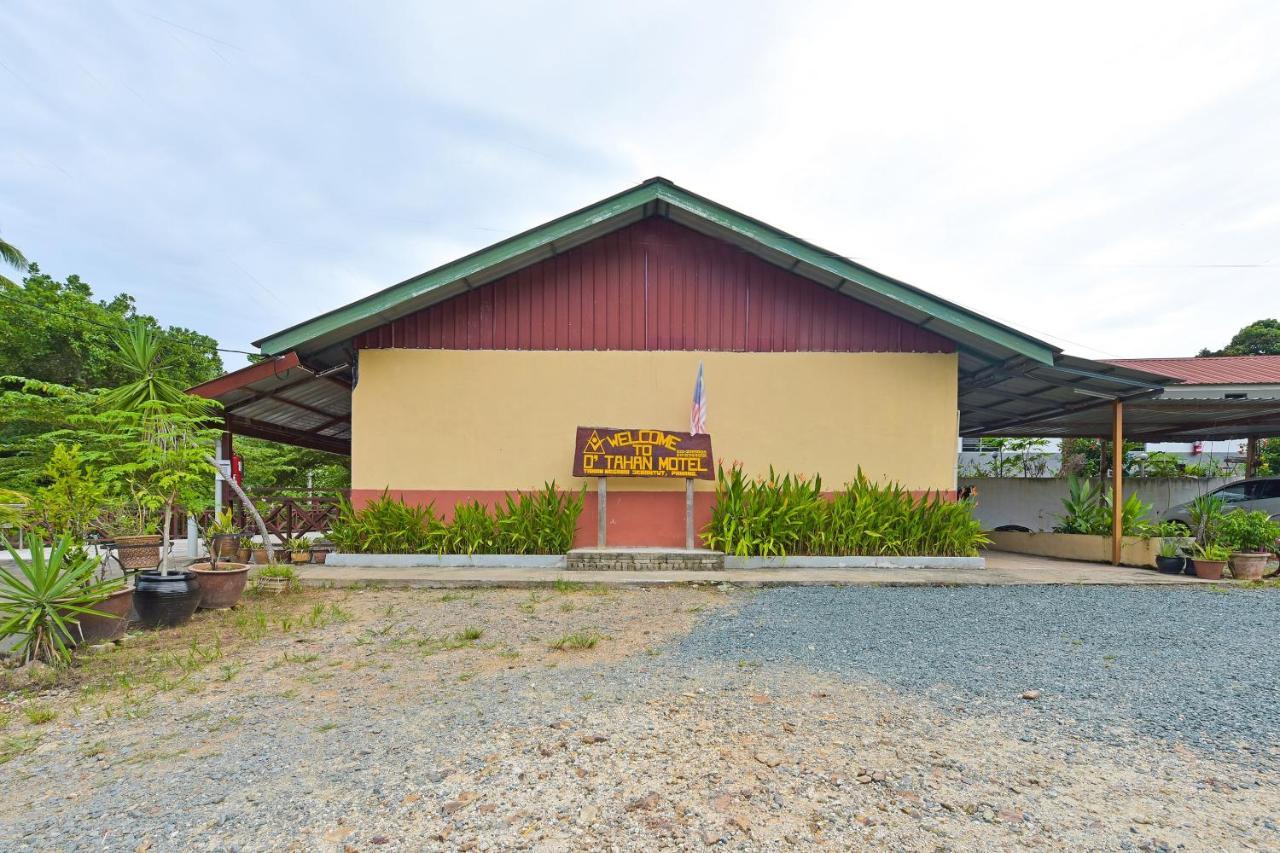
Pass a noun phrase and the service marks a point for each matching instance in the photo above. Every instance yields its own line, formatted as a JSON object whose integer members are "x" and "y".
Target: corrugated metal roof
{"x": 1211, "y": 370}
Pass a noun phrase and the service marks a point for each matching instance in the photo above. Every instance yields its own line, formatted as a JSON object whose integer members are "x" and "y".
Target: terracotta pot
{"x": 300, "y": 556}
{"x": 138, "y": 552}
{"x": 243, "y": 554}
{"x": 260, "y": 556}
{"x": 1209, "y": 570}
{"x": 111, "y": 624}
{"x": 1249, "y": 567}
{"x": 226, "y": 545}
{"x": 222, "y": 588}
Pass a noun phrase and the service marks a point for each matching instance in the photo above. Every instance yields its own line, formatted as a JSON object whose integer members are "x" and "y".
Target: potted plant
{"x": 244, "y": 549}
{"x": 1170, "y": 560}
{"x": 221, "y": 583}
{"x": 1209, "y": 561}
{"x": 261, "y": 554}
{"x": 222, "y": 535}
{"x": 1250, "y": 536}
{"x": 43, "y": 602}
{"x": 299, "y": 549}
{"x": 276, "y": 578}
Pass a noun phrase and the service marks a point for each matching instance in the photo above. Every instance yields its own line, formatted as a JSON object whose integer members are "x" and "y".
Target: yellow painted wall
{"x": 492, "y": 419}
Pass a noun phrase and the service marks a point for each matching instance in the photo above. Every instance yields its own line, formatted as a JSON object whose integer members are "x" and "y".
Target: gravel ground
{"x": 810, "y": 718}
{"x": 1189, "y": 665}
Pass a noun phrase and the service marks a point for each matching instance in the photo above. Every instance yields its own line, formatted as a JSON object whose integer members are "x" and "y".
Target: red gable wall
{"x": 654, "y": 285}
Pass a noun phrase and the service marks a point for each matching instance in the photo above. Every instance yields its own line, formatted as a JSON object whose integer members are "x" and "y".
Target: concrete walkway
{"x": 1003, "y": 569}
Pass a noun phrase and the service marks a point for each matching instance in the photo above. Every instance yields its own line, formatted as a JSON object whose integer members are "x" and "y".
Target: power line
{"x": 111, "y": 328}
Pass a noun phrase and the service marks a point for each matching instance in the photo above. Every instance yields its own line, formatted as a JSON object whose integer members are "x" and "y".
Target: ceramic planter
{"x": 243, "y": 554}
{"x": 163, "y": 601}
{"x": 260, "y": 556}
{"x": 300, "y": 556}
{"x": 1249, "y": 567}
{"x": 225, "y": 545}
{"x": 138, "y": 552}
{"x": 1170, "y": 565}
{"x": 220, "y": 588}
{"x": 1209, "y": 570}
{"x": 109, "y": 621}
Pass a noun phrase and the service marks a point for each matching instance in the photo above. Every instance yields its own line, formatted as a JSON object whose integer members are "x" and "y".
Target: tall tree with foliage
{"x": 10, "y": 256}
{"x": 55, "y": 331}
{"x": 1261, "y": 337}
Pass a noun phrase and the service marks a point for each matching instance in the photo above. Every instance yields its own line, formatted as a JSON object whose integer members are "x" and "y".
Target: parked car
{"x": 1262, "y": 493}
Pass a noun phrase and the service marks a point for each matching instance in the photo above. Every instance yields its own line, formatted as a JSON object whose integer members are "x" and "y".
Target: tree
{"x": 55, "y": 331}
{"x": 1261, "y": 337}
{"x": 10, "y": 256}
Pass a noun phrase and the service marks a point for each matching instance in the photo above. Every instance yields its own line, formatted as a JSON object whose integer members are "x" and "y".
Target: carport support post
{"x": 1251, "y": 457}
{"x": 1117, "y": 479}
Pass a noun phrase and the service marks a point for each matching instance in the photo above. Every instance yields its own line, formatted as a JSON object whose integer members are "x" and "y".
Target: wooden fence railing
{"x": 285, "y": 516}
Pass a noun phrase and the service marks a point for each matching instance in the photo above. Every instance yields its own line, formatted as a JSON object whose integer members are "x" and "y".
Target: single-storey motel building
{"x": 471, "y": 380}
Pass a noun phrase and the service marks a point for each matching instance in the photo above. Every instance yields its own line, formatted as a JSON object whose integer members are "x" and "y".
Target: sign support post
{"x": 688, "y": 513}
{"x": 601, "y": 512}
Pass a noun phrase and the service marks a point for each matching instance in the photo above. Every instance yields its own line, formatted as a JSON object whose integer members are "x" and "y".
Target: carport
{"x": 1187, "y": 399}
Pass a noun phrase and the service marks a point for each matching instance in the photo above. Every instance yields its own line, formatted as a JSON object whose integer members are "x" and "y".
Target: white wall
{"x": 1037, "y": 503}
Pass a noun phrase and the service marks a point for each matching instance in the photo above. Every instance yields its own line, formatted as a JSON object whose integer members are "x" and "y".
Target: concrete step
{"x": 644, "y": 560}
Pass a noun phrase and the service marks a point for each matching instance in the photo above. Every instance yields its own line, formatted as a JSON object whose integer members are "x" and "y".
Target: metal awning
{"x": 282, "y": 400}
{"x": 1013, "y": 397}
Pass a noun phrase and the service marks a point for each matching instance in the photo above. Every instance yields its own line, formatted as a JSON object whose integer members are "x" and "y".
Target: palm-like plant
{"x": 10, "y": 256}
{"x": 141, "y": 352}
{"x": 40, "y": 603}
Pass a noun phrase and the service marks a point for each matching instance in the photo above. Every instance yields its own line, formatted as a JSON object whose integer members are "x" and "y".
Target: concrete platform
{"x": 1002, "y": 569}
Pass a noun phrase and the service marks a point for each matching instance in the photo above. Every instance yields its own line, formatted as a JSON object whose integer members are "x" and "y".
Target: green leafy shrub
{"x": 1088, "y": 511}
{"x": 786, "y": 514}
{"x": 473, "y": 530}
{"x": 385, "y": 525}
{"x": 538, "y": 522}
{"x": 1248, "y": 532}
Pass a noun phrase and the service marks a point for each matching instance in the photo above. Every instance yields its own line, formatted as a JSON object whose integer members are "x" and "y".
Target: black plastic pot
{"x": 163, "y": 601}
{"x": 1171, "y": 565}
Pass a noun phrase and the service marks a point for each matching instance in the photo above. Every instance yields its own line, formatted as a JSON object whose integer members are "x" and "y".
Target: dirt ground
{"x": 553, "y": 719}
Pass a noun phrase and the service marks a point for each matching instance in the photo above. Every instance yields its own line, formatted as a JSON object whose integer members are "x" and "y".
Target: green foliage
{"x": 1261, "y": 337}
{"x": 33, "y": 413}
{"x": 223, "y": 523}
{"x": 539, "y": 522}
{"x": 272, "y": 466}
{"x": 57, "y": 332}
{"x": 1212, "y": 551}
{"x": 1089, "y": 511}
{"x": 41, "y": 601}
{"x": 1010, "y": 457}
{"x": 786, "y": 514}
{"x": 140, "y": 353}
{"x": 1248, "y": 531}
{"x": 1206, "y": 515}
{"x": 385, "y": 525}
{"x": 1269, "y": 457}
{"x": 297, "y": 543}
{"x": 472, "y": 531}
{"x": 74, "y": 497}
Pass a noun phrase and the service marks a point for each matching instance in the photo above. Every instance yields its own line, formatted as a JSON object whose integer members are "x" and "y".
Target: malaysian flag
{"x": 698, "y": 414}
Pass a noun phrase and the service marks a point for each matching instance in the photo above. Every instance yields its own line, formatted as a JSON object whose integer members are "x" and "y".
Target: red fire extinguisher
{"x": 237, "y": 469}
{"x": 1197, "y": 447}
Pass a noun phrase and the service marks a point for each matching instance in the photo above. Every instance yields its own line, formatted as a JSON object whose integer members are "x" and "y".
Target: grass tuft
{"x": 576, "y": 641}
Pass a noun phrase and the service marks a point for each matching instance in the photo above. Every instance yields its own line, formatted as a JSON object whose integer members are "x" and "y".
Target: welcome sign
{"x": 610, "y": 452}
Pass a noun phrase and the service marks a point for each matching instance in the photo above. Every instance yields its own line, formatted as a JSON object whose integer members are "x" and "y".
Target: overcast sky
{"x": 1105, "y": 176}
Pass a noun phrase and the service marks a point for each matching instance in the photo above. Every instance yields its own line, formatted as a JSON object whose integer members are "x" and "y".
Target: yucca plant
{"x": 41, "y": 601}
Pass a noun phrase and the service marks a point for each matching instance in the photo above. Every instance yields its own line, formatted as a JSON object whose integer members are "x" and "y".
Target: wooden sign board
{"x": 609, "y": 452}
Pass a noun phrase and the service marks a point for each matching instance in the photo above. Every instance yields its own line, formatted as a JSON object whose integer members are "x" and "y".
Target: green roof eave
{"x": 382, "y": 306}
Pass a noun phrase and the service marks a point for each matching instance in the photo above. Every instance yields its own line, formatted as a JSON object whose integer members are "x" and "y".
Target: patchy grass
{"x": 12, "y": 747}
{"x": 576, "y": 641}
{"x": 469, "y": 634}
{"x": 38, "y": 715}
{"x": 564, "y": 586}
